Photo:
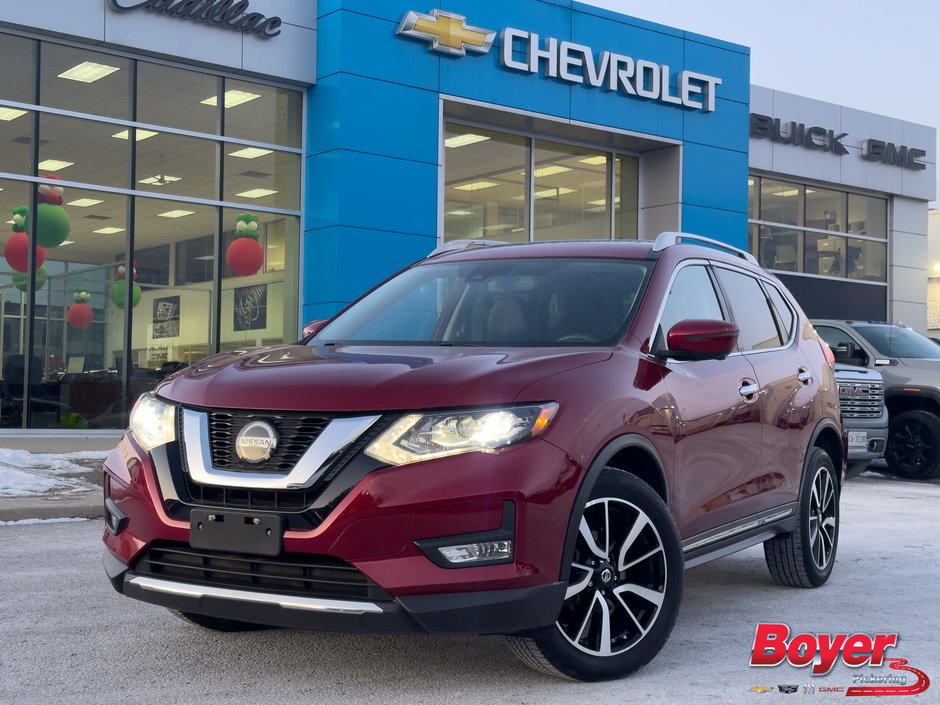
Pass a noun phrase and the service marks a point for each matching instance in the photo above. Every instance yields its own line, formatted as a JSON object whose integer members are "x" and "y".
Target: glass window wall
{"x": 128, "y": 286}
{"x": 808, "y": 229}
{"x": 495, "y": 180}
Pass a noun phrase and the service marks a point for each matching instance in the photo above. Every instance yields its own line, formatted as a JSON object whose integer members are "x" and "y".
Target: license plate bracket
{"x": 236, "y": 532}
{"x": 858, "y": 439}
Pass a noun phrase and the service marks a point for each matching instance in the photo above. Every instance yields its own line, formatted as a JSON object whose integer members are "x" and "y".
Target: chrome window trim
{"x": 314, "y": 604}
{"x": 336, "y": 437}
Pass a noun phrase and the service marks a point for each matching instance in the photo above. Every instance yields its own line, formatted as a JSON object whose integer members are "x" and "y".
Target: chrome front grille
{"x": 296, "y": 432}
{"x": 861, "y": 399}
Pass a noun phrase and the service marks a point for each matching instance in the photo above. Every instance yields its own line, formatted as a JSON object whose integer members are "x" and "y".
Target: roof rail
{"x": 455, "y": 245}
{"x": 664, "y": 240}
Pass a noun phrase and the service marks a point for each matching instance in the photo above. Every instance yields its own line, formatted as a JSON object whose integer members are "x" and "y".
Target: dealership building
{"x": 208, "y": 174}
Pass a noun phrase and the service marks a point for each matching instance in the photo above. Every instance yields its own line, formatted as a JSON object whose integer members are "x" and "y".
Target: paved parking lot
{"x": 67, "y": 637}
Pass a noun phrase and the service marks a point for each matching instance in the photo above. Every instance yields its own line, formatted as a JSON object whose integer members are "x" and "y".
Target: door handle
{"x": 804, "y": 375}
{"x": 748, "y": 389}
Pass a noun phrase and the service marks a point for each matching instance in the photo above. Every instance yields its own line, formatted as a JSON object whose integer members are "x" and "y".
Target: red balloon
{"x": 17, "y": 251}
{"x": 80, "y": 316}
{"x": 244, "y": 256}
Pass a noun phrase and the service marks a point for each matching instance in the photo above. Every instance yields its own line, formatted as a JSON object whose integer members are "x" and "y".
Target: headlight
{"x": 153, "y": 422}
{"x": 418, "y": 437}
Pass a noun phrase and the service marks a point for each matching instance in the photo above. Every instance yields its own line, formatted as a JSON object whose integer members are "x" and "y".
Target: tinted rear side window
{"x": 750, "y": 310}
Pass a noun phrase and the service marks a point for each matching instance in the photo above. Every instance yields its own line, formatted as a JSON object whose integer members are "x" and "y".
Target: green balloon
{"x": 53, "y": 225}
{"x": 117, "y": 294}
{"x": 20, "y": 281}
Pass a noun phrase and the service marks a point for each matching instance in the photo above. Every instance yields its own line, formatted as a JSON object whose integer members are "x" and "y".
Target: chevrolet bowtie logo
{"x": 447, "y": 33}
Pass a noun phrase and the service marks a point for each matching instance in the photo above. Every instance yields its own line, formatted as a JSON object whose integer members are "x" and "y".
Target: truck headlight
{"x": 416, "y": 437}
{"x": 153, "y": 422}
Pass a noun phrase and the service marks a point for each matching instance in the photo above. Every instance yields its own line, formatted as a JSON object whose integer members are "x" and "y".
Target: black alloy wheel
{"x": 913, "y": 449}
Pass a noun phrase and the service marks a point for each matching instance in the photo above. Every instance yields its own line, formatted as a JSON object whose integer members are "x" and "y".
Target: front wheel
{"x": 624, "y": 587}
{"x": 804, "y": 557}
{"x": 913, "y": 449}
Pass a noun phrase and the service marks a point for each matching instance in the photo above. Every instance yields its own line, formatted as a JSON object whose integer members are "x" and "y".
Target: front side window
{"x": 528, "y": 302}
{"x": 691, "y": 296}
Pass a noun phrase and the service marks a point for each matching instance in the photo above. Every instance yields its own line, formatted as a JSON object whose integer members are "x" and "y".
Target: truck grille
{"x": 861, "y": 399}
{"x": 296, "y": 575}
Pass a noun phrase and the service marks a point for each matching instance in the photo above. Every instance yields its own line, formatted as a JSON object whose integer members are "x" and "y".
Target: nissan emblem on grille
{"x": 256, "y": 442}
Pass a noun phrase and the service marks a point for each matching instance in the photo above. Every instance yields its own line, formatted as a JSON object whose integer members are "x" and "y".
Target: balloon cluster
{"x": 244, "y": 255}
{"x": 80, "y": 314}
{"x": 52, "y": 227}
{"x": 119, "y": 289}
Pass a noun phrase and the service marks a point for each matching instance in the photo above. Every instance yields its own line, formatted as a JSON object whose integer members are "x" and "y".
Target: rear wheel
{"x": 804, "y": 557}
{"x": 913, "y": 449}
{"x": 218, "y": 624}
{"x": 625, "y": 586}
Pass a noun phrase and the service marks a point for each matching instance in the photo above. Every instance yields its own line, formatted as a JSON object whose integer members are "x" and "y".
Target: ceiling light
{"x": 54, "y": 165}
{"x": 553, "y": 192}
{"x": 603, "y": 201}
{"x": 109, "y": 231}
{"x": 7, "y": 114}
{"x": 936, "y": 267}
{"x": 250, "y": 153}
{"x": 476, "y": 185}
{"x": 161, "y": 180}
{"x": 140, "y": 134}
{"x": 550, "y": 171}
{"x": 88, "y": 72}
{"x": 786, "y": 193}
{"x": 750, "y": 182}
{"x": 205, "y": 258}
{"x": 594, "y": 161}
{"x": 464, "y": 140}
{"x": 175, "y": 214}
{"x": 256, "y": 193}
{"x": 232, "y": 98}
{"x": 460, "y": 211}
{"x": 84, "y": 202}
{"x": 66, "y": 242}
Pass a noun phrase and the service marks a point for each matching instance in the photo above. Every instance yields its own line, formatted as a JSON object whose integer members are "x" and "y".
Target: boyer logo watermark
{"x": 773, "y": 645}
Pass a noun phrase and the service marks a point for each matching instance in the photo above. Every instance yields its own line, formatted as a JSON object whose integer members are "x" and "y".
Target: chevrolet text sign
{"x": 577, "y": 63}
{"x": 450, "y": 34}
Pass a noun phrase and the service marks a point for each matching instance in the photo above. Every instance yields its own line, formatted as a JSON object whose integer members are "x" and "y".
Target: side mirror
{"x": 695, "y": 339}
{"x": 311, "y": 329}
{"x": 314, "y": 327}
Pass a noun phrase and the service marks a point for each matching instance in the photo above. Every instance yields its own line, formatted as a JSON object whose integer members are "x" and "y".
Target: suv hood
{"x": 368, "y": 378}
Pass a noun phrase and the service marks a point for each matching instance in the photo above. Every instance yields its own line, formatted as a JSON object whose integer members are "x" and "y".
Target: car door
{"x": 788, "y": 390}
{"x": 716, "y": 422}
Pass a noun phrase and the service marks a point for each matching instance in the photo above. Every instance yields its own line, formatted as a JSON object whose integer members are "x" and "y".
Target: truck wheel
{"x": 804, "y": 557}
{"x": 625, "y": 586}
{"x": 913, "y": 449}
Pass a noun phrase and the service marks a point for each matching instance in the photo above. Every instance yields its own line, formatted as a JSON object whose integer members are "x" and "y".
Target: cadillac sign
{"x": 226, "y": 14}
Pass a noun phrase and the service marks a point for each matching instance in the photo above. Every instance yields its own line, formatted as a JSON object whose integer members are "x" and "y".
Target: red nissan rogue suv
{"x": 532, "y": 440}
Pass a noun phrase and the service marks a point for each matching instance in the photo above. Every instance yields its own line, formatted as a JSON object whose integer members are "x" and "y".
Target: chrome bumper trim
{"x": 287, "y": 601}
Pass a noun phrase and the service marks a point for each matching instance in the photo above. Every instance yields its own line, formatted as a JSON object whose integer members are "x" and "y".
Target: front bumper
{"x": 379, "y": 528}
{"x": 491, "y": 612}
{"x": 875, "y": 438}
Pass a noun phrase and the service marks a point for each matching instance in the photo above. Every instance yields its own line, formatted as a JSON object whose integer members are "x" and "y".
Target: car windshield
{"x": 894, "y": 341}
{"x": 521, "y": 302}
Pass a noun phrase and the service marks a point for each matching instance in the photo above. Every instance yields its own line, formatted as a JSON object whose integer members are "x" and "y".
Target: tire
{"x": 913, "y": 449}
{"x": 218, "y": 624}
{"x": 618, "y": 612}
{"x": 804, "y": 557}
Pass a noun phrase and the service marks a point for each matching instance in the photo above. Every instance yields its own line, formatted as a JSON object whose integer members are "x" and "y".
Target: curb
{"x": 86, "y": 505}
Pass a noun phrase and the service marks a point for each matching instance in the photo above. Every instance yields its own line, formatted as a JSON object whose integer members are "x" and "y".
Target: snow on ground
{"x": 21, "y": 522}
{"x": 25, "y": 474}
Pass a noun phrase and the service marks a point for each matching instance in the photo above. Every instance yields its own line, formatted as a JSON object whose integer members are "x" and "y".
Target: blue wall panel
{"x": 373, "y": 126}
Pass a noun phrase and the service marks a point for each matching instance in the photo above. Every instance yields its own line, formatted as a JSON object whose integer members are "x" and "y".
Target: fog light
{"x": 114, "y": 519}
{"x": 471, "y": 552}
